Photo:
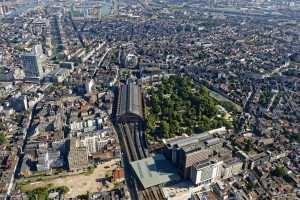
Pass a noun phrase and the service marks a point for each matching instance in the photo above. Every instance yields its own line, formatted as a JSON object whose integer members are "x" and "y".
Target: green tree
{"x": 165, "y": 129}
{"x": 151, "y": 120}
{"x": 183, "y": 104}
{"x": 38, "y": 194}
{"x": 280, "y": 172}
{"x": 155, "y": 103}
{"x": 249, "y": 186}
{"x": 203, "y": 91}
{"x": 296, "y": 137}
{"x": 83, "y": 196}
{"x": 2, "y": 138}
{"x": 177, "y": 116}
{"x": 175, "y": 126}
{"x": 248, "y": 146}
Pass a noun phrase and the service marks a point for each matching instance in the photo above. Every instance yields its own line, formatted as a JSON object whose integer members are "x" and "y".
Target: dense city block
{"x": 149, "y": 99}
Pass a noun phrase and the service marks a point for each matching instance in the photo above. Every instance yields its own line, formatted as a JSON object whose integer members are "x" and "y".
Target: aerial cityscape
{"x": 149, "y": 99}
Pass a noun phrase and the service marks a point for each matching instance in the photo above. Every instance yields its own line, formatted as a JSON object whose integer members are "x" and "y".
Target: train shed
{"x": 130, "y": 103}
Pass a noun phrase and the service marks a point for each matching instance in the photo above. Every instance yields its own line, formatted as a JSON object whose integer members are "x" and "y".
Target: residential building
{"x": 231, "y": 167}
{"x": 95, "y": 141}
{"x": 78, "y": 156}
{"x": 19, "y": 103}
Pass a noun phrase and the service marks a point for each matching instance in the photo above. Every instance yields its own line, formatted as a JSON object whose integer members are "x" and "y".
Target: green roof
{"x": 154, "y": 171}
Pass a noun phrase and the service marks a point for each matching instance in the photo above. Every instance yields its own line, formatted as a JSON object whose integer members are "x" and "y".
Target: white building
{"x": 58, "y": 75}
{"x": 232, "y": 168}
{"x": 95, "y": 141}
{"x": 131, "y": 60}
{"x": 89, "y": 86}
{"x": 206, "y": 172}
{"x": 3, "y": 10}
{"x": 87, "y": 125}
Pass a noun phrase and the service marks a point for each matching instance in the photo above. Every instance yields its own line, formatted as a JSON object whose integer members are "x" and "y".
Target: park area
{"x": 179, "y": 106}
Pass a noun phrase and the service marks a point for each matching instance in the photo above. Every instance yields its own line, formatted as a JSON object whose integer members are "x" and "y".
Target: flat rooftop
{"x": 154, "y": 171}
{"x": 203, "y": 163}
{"x": 188, "y": 140}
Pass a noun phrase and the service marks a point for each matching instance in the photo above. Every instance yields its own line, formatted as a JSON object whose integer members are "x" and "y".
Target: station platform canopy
{"x": 155, "y": 170}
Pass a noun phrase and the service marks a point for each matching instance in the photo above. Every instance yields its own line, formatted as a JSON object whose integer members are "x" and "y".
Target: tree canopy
{"x": 2, "y": 138}
{"x": 280, "y": 172}
{"x": 179, "y": 106}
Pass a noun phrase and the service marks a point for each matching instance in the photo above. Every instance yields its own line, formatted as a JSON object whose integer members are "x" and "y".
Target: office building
{"x": 206, "y": 172}
{"x": 185, "y": 151}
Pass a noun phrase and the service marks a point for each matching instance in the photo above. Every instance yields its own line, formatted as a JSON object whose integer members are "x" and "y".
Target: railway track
{"x": 137, "y": 137}
{"x": 131, "y": 135}
{"x": 124, "y": 141}
{"x": 152, "y": 193}
{"x": 142, "y": 140}
{"x": 128, "y": 142}
{"x": 134, "y": 144}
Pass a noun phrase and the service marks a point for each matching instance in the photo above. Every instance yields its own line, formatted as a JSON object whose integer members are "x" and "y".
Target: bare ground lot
{"x": 79, "y": 184}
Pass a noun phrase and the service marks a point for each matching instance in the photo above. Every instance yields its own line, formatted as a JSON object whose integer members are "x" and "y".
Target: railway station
{"x": 130, "y": 106}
